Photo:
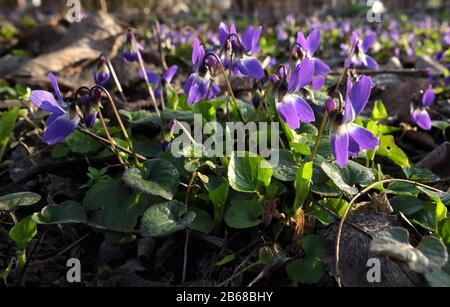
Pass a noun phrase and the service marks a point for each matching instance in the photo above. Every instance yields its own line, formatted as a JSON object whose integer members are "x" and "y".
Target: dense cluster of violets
{"x": 238, "y": 53}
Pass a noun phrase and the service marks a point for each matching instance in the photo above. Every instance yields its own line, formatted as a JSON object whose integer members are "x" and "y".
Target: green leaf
{"x": 320, "y": 214}
{"x": 164, "y": 219}
{"x": 286, "y": 169}
{"x": 226, "y": 260}
{"x": 430, "y": 254}
{"x": 439, "y": 278}
{"x": 379, "y": 111}
{"x": 337, "y": 205}
{"x": 66, "y": 212}
{"x": 314, "y": 246}
{"x": 117, "y": 208}
{"x": 390, "y": 150}
{"x": 309, "y": 270}
{"x": 303, "y": 184}
{"x": 275, "y": 189}
{"x": 218, "y": 188}
{"x": 402, "y": 188}
{"x": 203, "y": 221}
{"x": 244, "y": 214}
{"x": 7, "y": 122}
{"x": 445, "y": 231}
{"x": 346, "y": 178}
{"x": 302, "y": 149}
{"x": 23, "y": 232}
{"x": 11, "y": 202}
{"x": 82, "y": 144}
{"x": 158, "y": 177}
{"x": 407, "y": 204}
{"x": 247, "y": 110}
{"x": 420, "y": 174}
{"x": 248, "y": 173}
{"x": 141, "y": 117}
{"x": 430, "y": 216}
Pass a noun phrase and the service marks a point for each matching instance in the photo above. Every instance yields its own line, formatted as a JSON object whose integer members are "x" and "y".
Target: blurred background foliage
{"x": 232, "y": 6}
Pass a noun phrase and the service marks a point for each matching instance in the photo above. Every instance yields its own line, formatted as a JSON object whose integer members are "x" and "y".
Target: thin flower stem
{"x": 147, "y": 82}
{"x": 161, "y": 51}
{"x": 227, "y": 81}
{"x": 325, "y": 118}
{"x": 112, "y": 71}
{"x": 110, "y": 139}
{"x": 188, "y": 134}
{"x": 119, "y": 120}
{"x": 106, "y": 142}
{"x": 186, "y": 244}
{"x": 350, "y": 205}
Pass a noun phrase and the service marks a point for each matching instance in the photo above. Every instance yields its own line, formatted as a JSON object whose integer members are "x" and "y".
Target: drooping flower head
{"x": 420, "y": 104}
{"x": 160, "y": 82}
{"x": 347, "y": 138}
{"x": 63, "y": 119}
{"x": 290, "y": 104}
{"x": 91, "y": 105}
{"x": 101, "y": 71}
{"x": 200, "y": 84}
{"x": 358, "y": 51}
{"x": 306, "y": 48}
{"x": 242, "y": 48}
{"x": 131, "y": 48}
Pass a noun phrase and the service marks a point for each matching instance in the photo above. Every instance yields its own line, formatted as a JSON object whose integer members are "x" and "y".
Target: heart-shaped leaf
{"x": 244, "y": 214}
{"x": 346, "y": 178}
{"x": 66, "y": 212}
{"x": 11, "y": 202}
{"x": 286, "y": 169}
{"x": 158, "y": 177}
{"x": 248, "y": 172}
{"x": 430, "y": 254}
{"x": 164, "y": 219}
{"x": 309, "y": 270}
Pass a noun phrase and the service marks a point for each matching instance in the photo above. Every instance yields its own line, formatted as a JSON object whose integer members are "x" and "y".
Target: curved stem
{"x": 106, "y": 142}
{"x": 116, "y": 80}
{"x": 366, "y": 190}
{"x": 110, "y": 140}
{"x": 147, "y": 82}
{"x": 325, "y": 118}
{"x": 119, "y": 120}
{"x": 227, "y": 81}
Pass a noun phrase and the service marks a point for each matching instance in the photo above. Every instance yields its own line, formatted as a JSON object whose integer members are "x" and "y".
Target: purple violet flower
{"x": 198, "y": 83}
{"x": 291, "y": 107}
{"x": 419, "y": 113}
{"x": 63, "y": 119}
{"x": 101, "y": 72}
{"x": 347, "y": 138}
{"x": 307, "y": 47}
{"x": 131, "y": 49}
{"x": 160, "y": 82}
{"x": 359, "y": 49}
{"x": 242, "y": 49}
